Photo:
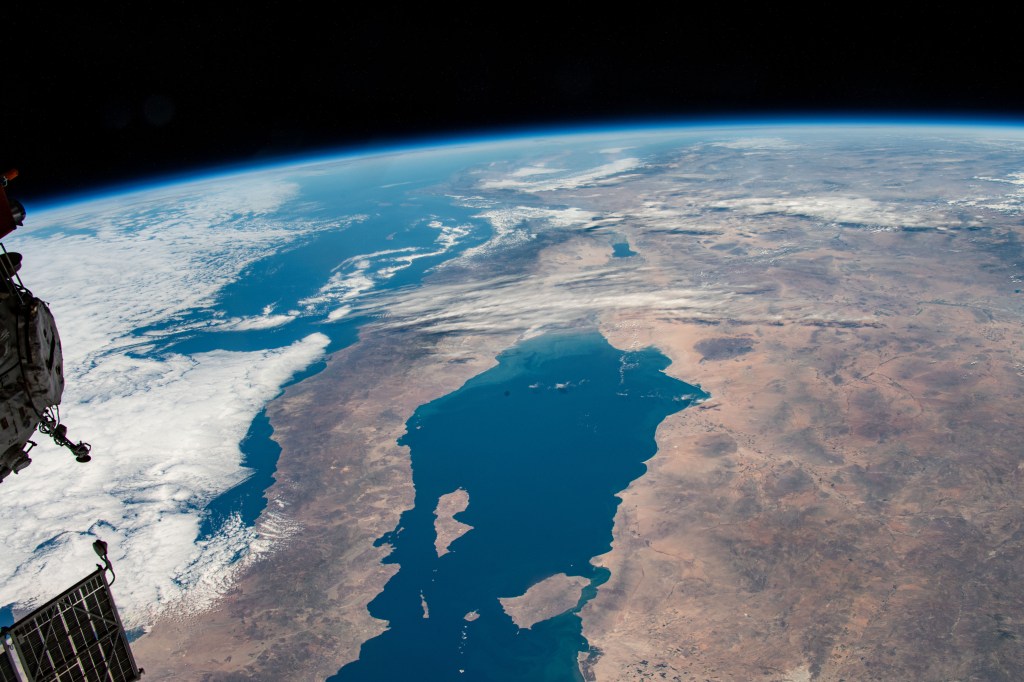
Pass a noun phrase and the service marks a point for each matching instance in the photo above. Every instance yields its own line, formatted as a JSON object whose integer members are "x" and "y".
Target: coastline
{"x": 343, "y": 480}
{"x": 832, "y": 492}
{"x": 855, "y": 473}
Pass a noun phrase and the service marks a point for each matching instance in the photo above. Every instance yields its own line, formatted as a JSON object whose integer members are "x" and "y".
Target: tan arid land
{"x": 554, "y": 595}
{"x": 447, "y": 528}
{"x": 302, "y": 614}
{"x": 846, "y": 506}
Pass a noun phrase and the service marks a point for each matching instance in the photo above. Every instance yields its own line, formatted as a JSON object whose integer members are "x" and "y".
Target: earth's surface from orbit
{"x": 683, "y": 404}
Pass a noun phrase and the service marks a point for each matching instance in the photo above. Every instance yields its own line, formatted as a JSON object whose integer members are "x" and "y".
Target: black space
{"x": 122, "y": 93}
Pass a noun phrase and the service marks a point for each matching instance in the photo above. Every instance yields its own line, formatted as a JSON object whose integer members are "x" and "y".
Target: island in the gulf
{"x": 550, "y": 597}
{"x": 447, "y": 528}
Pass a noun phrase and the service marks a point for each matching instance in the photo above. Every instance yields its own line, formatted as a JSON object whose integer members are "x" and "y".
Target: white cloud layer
{"x": 529, "y": 171}
{"x": 839, "y": 209}
{"x": 154, "y": 260}
{"x": 590, "y": 176}
{"x": 165, "y": 431}
{"x": 528, "y": 304}
{"x": 165, "y": 437}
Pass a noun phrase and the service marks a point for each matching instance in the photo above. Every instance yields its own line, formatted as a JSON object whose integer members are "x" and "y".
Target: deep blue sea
{"x": 543, "y": 442}
{"x": 399, "y": 197}
{"x": 394, "y": 220}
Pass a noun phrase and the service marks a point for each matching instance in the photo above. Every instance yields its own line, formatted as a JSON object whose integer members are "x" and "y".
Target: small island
{"x": 546, "y": 599}
{"x": 447, "y": 528}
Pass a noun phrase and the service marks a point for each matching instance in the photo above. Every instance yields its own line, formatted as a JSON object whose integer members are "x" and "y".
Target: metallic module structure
{"x": 78, "y": 634}
{"x": 31, "y": 363}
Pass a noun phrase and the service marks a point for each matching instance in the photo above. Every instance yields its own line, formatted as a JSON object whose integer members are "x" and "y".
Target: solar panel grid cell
{"x": 75, "y": 636}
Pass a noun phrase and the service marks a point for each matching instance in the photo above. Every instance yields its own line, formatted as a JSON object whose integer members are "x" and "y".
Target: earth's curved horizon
{"x": 845, "y": 505}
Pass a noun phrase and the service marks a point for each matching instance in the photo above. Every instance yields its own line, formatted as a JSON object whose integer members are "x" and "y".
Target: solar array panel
{"x": 74, "y": 637}
{"x": 7, "y": 673}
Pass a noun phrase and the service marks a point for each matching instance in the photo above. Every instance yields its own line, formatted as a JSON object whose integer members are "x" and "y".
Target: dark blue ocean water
{"x": 398, "y": 195}
{"x": 543, "y": 442}
{"x": 396, "y": 218}
{"x": 247, "y": 500}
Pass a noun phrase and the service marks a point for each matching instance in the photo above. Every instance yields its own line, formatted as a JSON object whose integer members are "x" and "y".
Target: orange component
{"x": 11, "y": 174}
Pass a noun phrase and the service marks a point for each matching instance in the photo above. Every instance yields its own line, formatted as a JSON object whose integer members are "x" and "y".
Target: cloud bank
{"x": 853, "y": 210}
{"x": 518, "y": 180}
{"x": 165, "y": 430}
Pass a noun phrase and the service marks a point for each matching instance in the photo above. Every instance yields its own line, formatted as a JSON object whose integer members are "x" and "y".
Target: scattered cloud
{"x": 266, "y": 320}
{"x": 356, "y": 276}
{"x": 511, "y": 226}
{"x": 1007, "y": 202}
{"x": 756, "y": 143}
{"x": 854, "y": 210}
{"x": 530, "y": 171}
{"x": 526, "y": 304}
{"x": 590, "y": 176}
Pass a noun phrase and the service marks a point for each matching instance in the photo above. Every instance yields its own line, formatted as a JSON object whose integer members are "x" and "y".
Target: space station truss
{"x": 76, "y": 636}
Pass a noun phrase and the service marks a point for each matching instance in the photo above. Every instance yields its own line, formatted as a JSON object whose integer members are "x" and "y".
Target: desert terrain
{"x": 845, "y": 506}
